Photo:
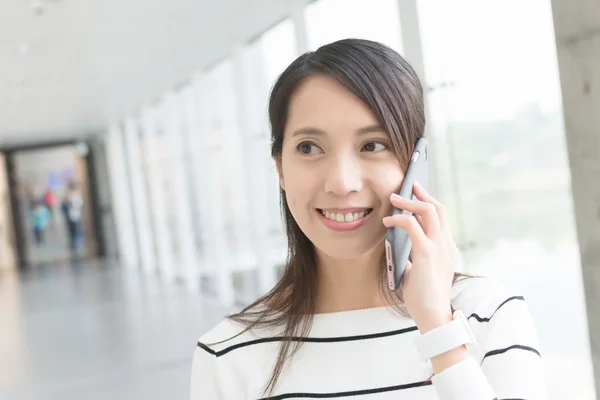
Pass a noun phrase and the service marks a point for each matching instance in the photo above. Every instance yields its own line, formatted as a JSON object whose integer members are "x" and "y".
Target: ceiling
{"x": 81, "y": 65}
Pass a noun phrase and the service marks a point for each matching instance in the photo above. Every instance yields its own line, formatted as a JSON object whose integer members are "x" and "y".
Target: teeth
{"x": 349, "y": 217}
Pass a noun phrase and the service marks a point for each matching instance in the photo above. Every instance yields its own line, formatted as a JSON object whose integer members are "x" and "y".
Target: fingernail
{"x": 417, "y": 184}
{"x": 396, "y": 196}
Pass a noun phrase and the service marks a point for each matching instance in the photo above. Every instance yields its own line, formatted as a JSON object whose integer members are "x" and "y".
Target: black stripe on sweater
{"x": 338, "y": 339}
{"x": 347, "y": 394}
{"x": 514, "y": 347}
{"x": 478, "y": 318}
{"x": 307, "y": 339}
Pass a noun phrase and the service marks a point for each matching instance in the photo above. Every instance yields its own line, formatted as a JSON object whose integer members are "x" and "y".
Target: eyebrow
{"x": 316, "y": 131}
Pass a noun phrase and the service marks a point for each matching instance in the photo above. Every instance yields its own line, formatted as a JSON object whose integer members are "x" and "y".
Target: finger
{"x": 426, "y": 211}
{"x": 410, "y": 225}
{"x": 441, "y": 210}
{"x": 420, "y": 221}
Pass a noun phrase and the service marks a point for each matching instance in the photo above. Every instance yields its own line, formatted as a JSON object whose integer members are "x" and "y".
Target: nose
{"x": 343, "y": 175}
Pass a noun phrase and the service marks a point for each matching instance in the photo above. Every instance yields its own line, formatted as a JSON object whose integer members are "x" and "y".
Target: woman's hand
{"x": 427, "y": 282}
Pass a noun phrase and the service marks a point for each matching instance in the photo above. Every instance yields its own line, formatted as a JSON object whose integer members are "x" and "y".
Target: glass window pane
{"x": 331, "y": 20}
{"x": 220, "y": 80}
{"x": 496, "y": 114}
{"x": 264, "y": 60}
{"x": 279, "y": 49}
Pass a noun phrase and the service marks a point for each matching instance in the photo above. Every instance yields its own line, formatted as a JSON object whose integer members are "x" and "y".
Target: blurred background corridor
{"x": 139, "y": 203}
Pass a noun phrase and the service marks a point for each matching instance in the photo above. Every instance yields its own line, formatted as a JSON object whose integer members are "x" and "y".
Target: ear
{"x": 280, "y": 173}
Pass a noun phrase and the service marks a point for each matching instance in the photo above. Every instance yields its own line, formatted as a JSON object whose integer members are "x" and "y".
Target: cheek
{"x": 299, "y": 196}
{"x": 292, "y": 202}
{"x": 298, "y": 202}
{"x": 389, "y": 180}
{"x": 297, "y": 187}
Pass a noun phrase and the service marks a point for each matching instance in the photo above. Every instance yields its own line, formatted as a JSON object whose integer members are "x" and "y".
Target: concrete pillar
{"x": 153, "y": 144}
{"x": 297, "y": 16}
{"x": 577, "y": 30}
{"x": 199, "y": 207}
{"x": 412, "y": 48}
{"x": 248, "y": 72}
{"x": 139, "y": 194}
{"x": 121, "y": 195}
{"x": 188, "y": 269}
{"x": 218, "y": 248}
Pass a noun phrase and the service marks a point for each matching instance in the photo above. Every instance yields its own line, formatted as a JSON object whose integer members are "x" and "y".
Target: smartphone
{"x": 398, "y": 245}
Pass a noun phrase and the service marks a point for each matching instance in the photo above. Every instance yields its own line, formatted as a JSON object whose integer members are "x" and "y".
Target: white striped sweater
{"x": 370, "y": 355}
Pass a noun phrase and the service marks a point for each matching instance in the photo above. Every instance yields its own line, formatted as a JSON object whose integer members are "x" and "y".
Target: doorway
{"x": 53, "y": 211}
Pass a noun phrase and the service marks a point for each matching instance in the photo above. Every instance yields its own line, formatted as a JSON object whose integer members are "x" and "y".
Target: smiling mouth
{"x": 345, "y": 217}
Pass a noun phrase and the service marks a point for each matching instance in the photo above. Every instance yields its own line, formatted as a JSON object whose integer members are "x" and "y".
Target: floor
{"x": 90, "y": 330}
{"x": 56, "y": 242}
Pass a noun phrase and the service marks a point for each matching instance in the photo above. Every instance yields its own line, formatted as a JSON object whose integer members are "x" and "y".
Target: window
{"x": 264, "y": 60}
{"x": 331, "y": 20}
{"x": 497, "y": 124}
{"x": 279, "y": 49}
{"x": 222, "y": 149}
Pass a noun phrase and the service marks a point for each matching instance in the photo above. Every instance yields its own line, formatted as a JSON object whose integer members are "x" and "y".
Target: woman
{"x": 344, "y": 123}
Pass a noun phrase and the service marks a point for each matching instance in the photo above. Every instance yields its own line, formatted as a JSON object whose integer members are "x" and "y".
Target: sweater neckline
{"x": 358, "y": 322}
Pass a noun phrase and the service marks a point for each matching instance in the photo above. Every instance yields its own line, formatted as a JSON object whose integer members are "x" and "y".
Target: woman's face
{"x": 338, "y": 169}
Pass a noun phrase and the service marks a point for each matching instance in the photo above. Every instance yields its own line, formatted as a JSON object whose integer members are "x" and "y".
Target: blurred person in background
{"x": 39, "y": 217}
{"x": 72, "y": 208}
{"x": 50, "y": 201}
{"x": 345, "y": 120}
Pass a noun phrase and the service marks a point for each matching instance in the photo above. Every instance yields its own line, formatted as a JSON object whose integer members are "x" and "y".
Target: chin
{"x": 340, "y": 249}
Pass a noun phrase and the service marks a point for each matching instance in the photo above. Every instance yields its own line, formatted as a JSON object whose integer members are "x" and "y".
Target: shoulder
{"x": 209, "y": 378}
{"x": 222, "y": 335}
{"x": 224, "y": 330}
{"x": 227, "y": 362}
{"x": 484, "y": 296}
{"x": 229, "y": 335}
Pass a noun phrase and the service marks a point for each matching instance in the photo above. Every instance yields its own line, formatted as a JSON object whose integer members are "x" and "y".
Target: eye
{"x": 373, "y": 147}
{"x": 307, "y": 148}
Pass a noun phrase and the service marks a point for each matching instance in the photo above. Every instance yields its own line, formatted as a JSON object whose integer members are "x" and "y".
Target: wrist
{"x": 440, "y": 336}
{"x": 449, "y": 358}
{"x": 433, "y": 321}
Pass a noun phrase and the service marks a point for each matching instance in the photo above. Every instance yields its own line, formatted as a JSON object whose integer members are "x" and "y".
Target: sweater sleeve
{"x": 206, "y": 380}
{"x": 508, "y": 363}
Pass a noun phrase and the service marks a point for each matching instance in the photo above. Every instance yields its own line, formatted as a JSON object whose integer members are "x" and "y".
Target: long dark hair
{"x": 384, "y": 81}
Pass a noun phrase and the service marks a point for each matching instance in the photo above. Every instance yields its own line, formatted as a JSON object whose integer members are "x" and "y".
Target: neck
{"x": 349, "y": 284}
